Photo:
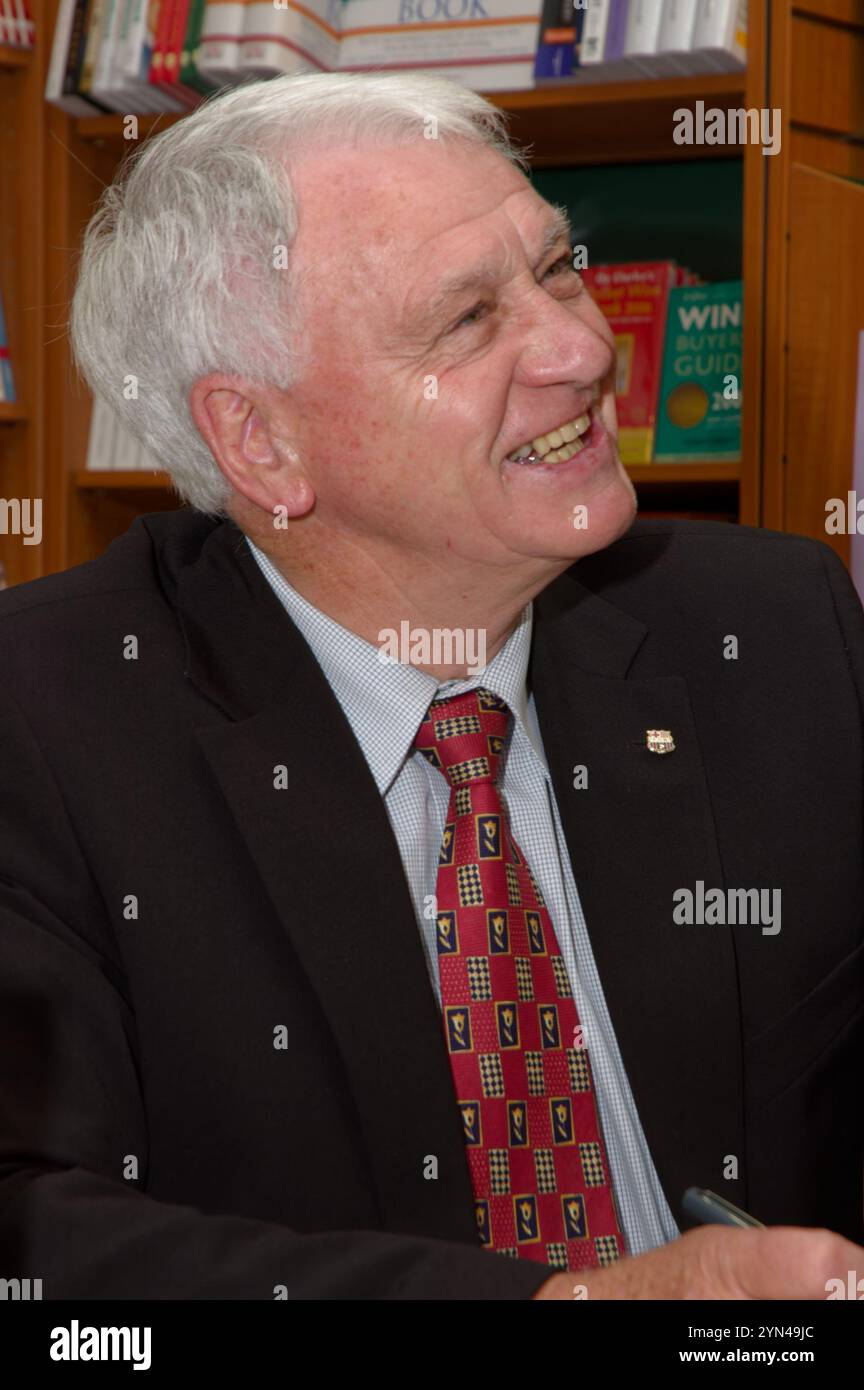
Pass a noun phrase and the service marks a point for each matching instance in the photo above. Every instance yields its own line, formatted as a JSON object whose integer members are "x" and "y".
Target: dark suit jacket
{"x": 164, "y": 908}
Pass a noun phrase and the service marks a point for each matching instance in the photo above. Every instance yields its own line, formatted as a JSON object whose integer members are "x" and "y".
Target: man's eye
{"x": 472, "y": 316}
{"x": 563, "y": 263}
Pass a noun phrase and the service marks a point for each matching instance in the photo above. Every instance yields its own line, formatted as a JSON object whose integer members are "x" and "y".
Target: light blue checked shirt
{"x": 385, "y": 704}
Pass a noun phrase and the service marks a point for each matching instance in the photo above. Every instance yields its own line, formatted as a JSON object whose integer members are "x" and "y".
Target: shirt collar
{"x": 384, "y": 701}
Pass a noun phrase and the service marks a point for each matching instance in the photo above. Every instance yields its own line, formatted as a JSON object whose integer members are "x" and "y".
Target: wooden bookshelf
{"x": 53, "y": 167}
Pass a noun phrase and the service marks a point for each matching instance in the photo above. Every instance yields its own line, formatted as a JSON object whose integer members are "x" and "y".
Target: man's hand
{"x": 720, "y": 1262}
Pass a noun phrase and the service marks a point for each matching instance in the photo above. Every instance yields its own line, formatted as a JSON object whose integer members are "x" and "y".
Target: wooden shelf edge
{"x": 714, "y": 85}
{"x": 12, "y": 412}
{"x": 14, "y": 58}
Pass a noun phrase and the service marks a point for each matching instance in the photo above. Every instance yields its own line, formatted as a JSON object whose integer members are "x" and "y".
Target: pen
{"x": 709, "y": 1209}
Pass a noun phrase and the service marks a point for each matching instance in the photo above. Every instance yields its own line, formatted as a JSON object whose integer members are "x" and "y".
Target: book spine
{"x": 60, "y": 50}
{"x": 594, "y": 32}
{"x": 294, "y": 38}
{"x": 173, "y": 49}
{"x": 221, "y": 34}
{"x": 189, "y": 74}
{"x": 616, "y": 30}
{"x": 22, "y": 25}
{"x": 157, "y": 57}
{"x": 156, "y": 98}
{"x": 643, "y": 26}
{"x": 675, "y": 38}
{"x": 77, "y": 46}
{"x": 100, "y": 86}
{"x": 558, "y": 40}
{"x": 720, "y": 32}
{"x": 7, "y": 384}
{"x": 94, "y": 38}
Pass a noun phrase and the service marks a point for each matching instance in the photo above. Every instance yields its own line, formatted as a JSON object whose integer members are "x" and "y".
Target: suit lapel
{"x": 328, "y": 858}
{"x": 641, "y": 828}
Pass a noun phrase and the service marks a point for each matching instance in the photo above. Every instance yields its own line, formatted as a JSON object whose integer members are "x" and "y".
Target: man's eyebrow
{"x": 558, "y": 229}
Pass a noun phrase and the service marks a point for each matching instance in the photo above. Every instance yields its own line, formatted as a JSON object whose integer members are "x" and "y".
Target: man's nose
{"x": 562, "y": 346}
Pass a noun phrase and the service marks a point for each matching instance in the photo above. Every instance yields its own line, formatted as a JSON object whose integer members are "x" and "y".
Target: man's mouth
{"x": 559, "y": 445}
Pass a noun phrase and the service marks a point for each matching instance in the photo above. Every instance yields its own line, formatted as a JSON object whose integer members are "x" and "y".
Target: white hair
{"x": 179, "y": 273}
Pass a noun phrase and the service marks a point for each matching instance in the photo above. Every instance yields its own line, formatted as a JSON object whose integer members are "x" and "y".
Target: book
{"x": 190, "y": 75}
{"x": 290, "y": 37}
{"x": 490, "y": 46}
{"x": 720, "y": 34}
{"x": 162, "y": 23}
{"x": 559, "y": 40}
{"x": 102, "y": 87}
{"x": 7, "y": 382}
{"x": 634, "y": 297}
{"x": 171, "y": 55}
{"x": 675, "y": 38}
{"x": 92, "y": 41}
{"x": 221, "y": 36}
{"x": 603, "y": 37}
{"x": 699, "y": 410}
{"x": 133, "y": 61}
{"x": 16, "y": 24}
{"x": 643, "y": 30}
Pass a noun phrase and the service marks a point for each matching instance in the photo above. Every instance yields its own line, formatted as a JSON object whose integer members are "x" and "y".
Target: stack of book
{"x": 17, "y": 29}
{"x": 678, "y": 364}
{"x": 616, "y": 40}
{"x": 166, "y": 55}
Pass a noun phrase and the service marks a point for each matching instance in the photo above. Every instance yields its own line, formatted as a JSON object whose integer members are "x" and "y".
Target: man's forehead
{"x": 399, "y": 220}
{"x": 400, "y": 197}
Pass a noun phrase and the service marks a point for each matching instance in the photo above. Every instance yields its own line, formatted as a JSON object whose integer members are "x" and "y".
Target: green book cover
{"x": 189, "y": 74}
{"x": 699, "y": 407}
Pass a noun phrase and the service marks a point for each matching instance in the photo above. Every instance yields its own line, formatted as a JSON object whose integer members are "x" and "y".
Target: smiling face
{"x": 446, "y": 331}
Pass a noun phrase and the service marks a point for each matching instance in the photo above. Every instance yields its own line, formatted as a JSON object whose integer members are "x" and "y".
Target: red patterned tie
{"x": 520, "y": 1068}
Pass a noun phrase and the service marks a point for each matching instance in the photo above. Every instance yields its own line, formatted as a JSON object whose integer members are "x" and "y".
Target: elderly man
{"x": 407, "y": 859}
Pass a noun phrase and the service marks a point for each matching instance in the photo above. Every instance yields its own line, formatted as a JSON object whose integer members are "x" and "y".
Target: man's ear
{"x": 235, "y": 419}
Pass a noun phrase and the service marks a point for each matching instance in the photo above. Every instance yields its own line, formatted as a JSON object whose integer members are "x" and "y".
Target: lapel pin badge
{"x": 660, "y": 740}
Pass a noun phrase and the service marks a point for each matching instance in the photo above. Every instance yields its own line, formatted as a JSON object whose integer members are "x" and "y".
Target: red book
{"x": 157, "y": 57}
{"x": 171, "y": 56}
{"x": 635, "y": 297}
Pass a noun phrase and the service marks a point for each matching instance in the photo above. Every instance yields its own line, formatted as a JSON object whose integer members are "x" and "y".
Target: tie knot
{"x": 464, "y": 736}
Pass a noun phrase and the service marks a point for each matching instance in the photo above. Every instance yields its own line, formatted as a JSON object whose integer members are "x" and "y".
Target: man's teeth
{"x": 559, "y": 444}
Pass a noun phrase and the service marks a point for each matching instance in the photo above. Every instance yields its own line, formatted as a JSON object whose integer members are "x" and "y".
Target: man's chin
{"x": 604, "y": 513}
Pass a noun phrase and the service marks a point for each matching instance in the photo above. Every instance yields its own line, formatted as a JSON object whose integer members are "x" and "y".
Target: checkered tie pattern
{"x": 520, "y": 1067}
